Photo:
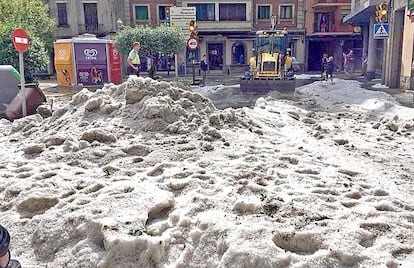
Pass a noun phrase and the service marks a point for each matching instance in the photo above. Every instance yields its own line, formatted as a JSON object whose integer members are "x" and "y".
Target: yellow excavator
{"x": 272, "y": 66}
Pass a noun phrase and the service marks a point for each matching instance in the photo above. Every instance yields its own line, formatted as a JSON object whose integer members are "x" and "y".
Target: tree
{"x": 31, "y": 15}
{"x": 154, "y": 41}
{"x": 35, "y": 59}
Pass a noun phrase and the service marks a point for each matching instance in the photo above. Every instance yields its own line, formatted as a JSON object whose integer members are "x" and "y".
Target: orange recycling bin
{"x": 87, "y": 61}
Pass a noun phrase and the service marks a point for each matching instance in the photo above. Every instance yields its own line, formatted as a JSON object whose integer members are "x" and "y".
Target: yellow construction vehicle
{"x": 272, "y": 66}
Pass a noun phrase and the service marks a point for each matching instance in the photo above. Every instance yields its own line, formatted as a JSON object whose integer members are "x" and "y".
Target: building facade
{"x": 99, "y": 17}
{"x": 226, "y": 29}
{"x": 327, "y": 33}
{"x": 392, "y": 57}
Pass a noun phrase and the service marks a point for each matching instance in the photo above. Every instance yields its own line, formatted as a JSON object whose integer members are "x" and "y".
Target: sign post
{"x": 21, "y": 44}
{"x": 381, "y": 30}
{"x": 180, "y": 17}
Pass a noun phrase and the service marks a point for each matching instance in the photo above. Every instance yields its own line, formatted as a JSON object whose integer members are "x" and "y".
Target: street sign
{"x": 192, "y": 43}
{"x": 21, "y": 43}
{"x": 180, "y": 17}
{"x": 381, "y": 30}
{"x": 20, "y": 40}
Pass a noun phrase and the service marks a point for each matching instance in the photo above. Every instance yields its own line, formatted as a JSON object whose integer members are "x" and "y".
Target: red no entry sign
{"x": 20, "y": 40}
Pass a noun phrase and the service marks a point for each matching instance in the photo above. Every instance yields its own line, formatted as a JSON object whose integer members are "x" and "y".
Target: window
{"x": 344, "y": 13}
{"x": 141, "y": 12}
{"x": 263, "y": 12}
{"x": 204, "y": 12}
{"x": 323, "y": 22}
{"x": 90, "y": 11}
{"x": 286, "y": 12}
{"x": 232, "y": 12}
{"x": 162, "y": 11}
{"x": 62, "y": 14}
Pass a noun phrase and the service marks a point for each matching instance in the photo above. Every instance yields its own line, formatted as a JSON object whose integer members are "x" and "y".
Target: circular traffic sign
{"x": 20, "y": 40}
{"x": 192, "y": 43}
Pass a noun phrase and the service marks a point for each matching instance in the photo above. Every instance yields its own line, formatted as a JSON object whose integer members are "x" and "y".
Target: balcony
{"x": 321, "y": 28}
{"x": 224, "y": 25}
{"x": 91, "y": 28}
{"x": 330, "y": 3}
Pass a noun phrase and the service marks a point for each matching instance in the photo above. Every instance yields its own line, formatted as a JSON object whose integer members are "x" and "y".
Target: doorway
{"x": 91, "y": 17}
{"x": 215, "y": 55}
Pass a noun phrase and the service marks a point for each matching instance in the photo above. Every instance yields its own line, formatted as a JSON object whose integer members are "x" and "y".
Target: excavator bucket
{"x": 265, "y": 85}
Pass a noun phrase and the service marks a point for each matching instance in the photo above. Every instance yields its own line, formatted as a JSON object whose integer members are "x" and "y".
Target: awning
{"x": 363, "y": 14}
{"x": 334, "y": 36}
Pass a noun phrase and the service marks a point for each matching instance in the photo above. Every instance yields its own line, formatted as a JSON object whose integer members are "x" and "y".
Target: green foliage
{"x": 35, "y": 59}
{"x": 166, "y": 40}
{"x": 31, "y": 15}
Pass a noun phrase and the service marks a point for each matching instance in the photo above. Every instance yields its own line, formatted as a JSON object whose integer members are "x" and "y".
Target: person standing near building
{"x": 134, "y": 60}
{"x": 204, "y": 68}
{"x": 347, "y": 74}
{"x": 330, "y": 67}
{"x": 351, "y": 61}
{"x": 324, "y": 61}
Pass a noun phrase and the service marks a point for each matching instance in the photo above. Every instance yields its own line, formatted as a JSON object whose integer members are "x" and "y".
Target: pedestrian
{"x": 324, "y": 61}
{"x": 351, "y": 61}
{"x": 204, "y": 68}
{"x": 134, "y": 60}
{"x": 241, "y": 59}
{"x": 330, "y": 67}
{"x": 287, "y": 61}
{"x": 347, "y": 65}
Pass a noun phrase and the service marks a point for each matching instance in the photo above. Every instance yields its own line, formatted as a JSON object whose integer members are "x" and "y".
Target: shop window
{"x": 192, "y": 55}
{"x": 238, "y": 53}
{"x": 232, "y": 12}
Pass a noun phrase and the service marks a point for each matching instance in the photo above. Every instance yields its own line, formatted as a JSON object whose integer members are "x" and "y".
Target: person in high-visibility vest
{"x": 133, "y": 60}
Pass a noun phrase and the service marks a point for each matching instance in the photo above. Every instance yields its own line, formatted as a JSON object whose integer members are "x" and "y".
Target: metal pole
{"x": 193, "y": 72}
{"x": 22, "y": 86}
{"x": 176, "y": 66}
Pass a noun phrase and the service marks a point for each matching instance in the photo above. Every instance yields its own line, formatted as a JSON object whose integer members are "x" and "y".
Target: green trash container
{"x": 9, "y": 86}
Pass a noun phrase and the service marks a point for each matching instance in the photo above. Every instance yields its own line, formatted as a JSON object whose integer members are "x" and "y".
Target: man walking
{"x": 133, "y": 60}
{"x": 204, "y": 68}
{"x": 348, "y": 64}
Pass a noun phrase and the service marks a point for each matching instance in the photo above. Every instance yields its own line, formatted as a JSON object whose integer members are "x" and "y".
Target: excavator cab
{"x": 271, "y": 66}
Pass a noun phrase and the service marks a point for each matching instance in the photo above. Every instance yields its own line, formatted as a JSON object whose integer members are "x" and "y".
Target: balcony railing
{"x": 91, "y": 28}
{"x": 320, "y": 28}
{"x": 330, "y": 3}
